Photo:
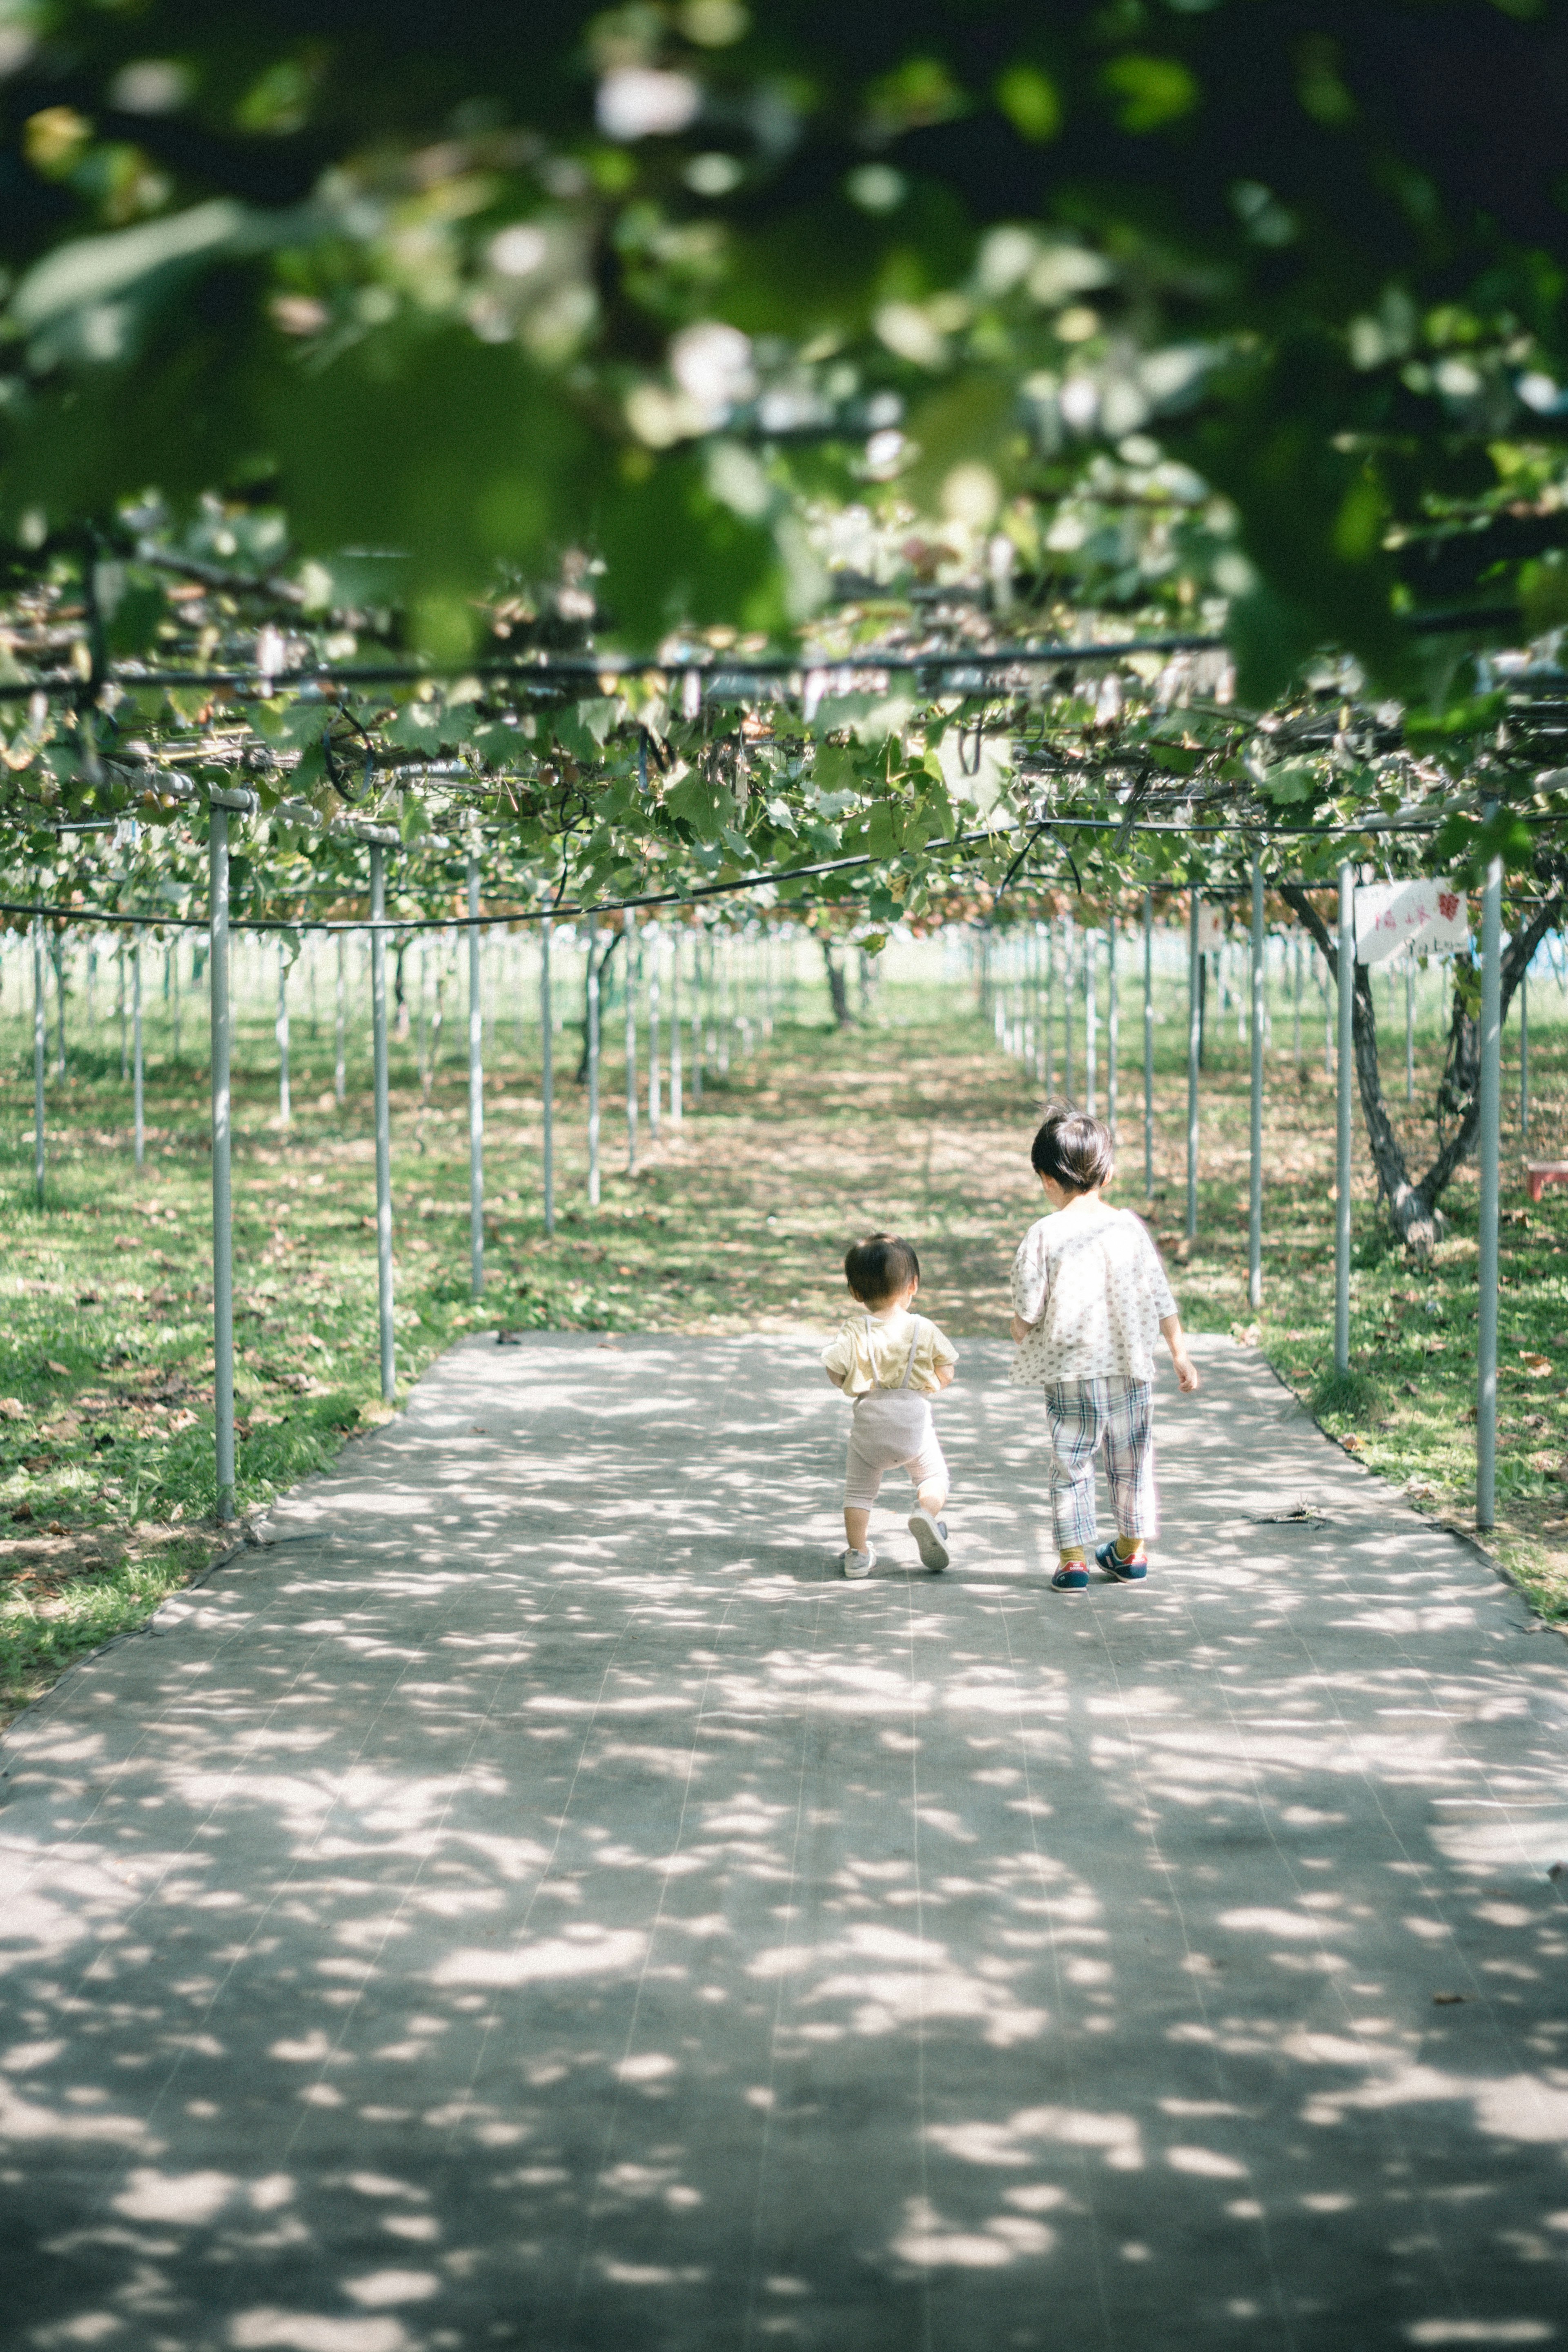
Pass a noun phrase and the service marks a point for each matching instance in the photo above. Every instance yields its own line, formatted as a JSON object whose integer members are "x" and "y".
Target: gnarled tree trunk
{"x": 1413, "y": 1202}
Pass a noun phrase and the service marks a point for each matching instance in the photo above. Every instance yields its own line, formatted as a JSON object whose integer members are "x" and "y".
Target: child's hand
{"x": 1186, "y": 1371}
{"x": 1020, "y": 1330}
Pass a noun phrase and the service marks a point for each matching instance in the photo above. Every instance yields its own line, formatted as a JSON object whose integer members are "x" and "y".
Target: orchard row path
{"x": 535, "y": 1901}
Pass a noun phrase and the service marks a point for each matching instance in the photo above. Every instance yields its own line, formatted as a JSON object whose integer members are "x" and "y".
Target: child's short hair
{"x": 1073, "y": 1149}
{"x": 879, "y": 1267}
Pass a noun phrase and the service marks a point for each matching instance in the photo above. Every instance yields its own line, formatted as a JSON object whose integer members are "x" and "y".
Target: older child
{"x": 1089, "y": 1294}
{"x": 892, "y": 1363}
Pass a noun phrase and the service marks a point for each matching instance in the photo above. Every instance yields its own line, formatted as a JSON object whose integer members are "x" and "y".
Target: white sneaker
{"x": 857, "y": 1563}
{"x": 931, "y": 1536}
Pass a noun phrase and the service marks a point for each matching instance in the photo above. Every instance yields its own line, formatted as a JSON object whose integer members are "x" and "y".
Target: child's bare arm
{"x": 1020, "y": 1330}
{"x": 944, "y": 1376}
{"x": 1186, "y": 1371}
{"x": 835, "y": 1380}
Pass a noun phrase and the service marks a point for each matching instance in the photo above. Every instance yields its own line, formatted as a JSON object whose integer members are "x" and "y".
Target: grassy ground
{"x": 740, "y": 1218}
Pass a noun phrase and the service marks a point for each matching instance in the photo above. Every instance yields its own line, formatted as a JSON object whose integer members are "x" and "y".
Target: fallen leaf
{"x": 1535, "y": 1365}
{"x": 12, "y": 1409}
{"x": 1449, "y": 1999}
{"x": 64, "y": 1370}
{"x": 1353, "y": 1444}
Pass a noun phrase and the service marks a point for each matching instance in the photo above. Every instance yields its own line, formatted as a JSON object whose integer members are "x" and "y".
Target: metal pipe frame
{"x": 475, "y": 1090}
{"x": 592, "y": 996}
{"x": 1148, "y": 1046}
{"x": 1345, "y": 1082}
{"x": 547, "y": 1072}
{"x": 1254, "y": 1198}
{"x": 222, "y": 1207}
{"x": 1195, "y": 1049}
{"x": 285, "y": 1102}
{"x": 40, "y": 1057}
{"x": 138, "y": 1066}
{"x": 382, "y": 1121}
{"x": 1487, "y": 1143}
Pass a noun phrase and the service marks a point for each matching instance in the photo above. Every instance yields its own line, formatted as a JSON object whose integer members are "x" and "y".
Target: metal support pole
{"x": 1491, "y": 1103}
{"x": 174, "y": 994}
{"x": 1113, "y": 1027}
{"x": 58, "y": 960}
{"x": 1255, "y": 1202}
{"x": 1524, "y": 1057}
{"x": 547, "y": 1072}
{"x": 1051, "y": 1007}
{"x": 475, "y": 1090}
{"x": 1410, "y": 1024}
{"x": 1296, "y": 1033}
{"x": 696, "y": 1017}
{"x": 40, "y": 1056}
{"x": 284, "y": 1110}
{"x": 340, "y": 1067}
{"x": 1346, "y": 1078}
{"x": 1148, "y": 1047}
{"x": 655, "y": 943}
{"x": 677, "y": 1102}
{"x": 1091, "y": 1024}
{"x": 1066, "y": 1006}
{"x": 1195, "y": 1049}
{"x": 382, "y": 1117}
{"x": 629, "y": 980}
{"x": 138, "y": 1071}
{"x": 223, "y": 1232}
{"x": 593, "y": 992}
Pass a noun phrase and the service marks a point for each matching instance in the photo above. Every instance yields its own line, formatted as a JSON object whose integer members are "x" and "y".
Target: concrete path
{"x": 540, "y": 1903}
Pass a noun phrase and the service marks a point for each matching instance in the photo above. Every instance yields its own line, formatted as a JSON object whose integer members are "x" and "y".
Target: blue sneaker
{"x": 1125, "y": 1572}
{"x": 1070, "y": 1577}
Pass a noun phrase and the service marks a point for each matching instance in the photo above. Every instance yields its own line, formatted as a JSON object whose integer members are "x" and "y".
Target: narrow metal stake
{"x": 697, "y": 1055}
{"x": 1113, "y": 1026}
{"x": 1051, "y": 1007}
{"x": 1346, "y": 981}
{"x": 1524, "y": 1057}
{"x": 284, "y": 1104}
{"x": 547, "y": 1072}
{"x": 1255, "y": 1202}
{"x": 1090, "y": 1024}
{"x": 58, "y": 960}
{"x": 120, "y": 1008}
{"x": 174, "y": 994}
{"x": 1296, "y": 1033}
{"x": 1487, "y": 1141}
{"x": 1148, "y": 1046}
{"x": 223, "y": 1230}
{"x": 677, "y": 1101}
{"x": 1409, "y": 1024}
{"x": 1066, "y": 1006}
{"x": 629, "y": 979}
{"x": 222, "y": 1212}
{"x": 1195, "y": 1049}
{"x": 655, "y": 943}
{"x": 592, "y": 930}
{"x": 136, "y": 1069}
{"x": 40, "y": 1056}
{"x": 475, "y": 1090}
{"x": 382, "y": 1118}
{"x": 340, "y": 1067}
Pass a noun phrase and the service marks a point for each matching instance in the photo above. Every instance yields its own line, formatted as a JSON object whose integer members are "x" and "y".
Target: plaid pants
{"x": 1082, "y": 1416}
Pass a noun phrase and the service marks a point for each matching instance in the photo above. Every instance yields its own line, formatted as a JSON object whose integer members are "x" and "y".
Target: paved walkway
{"x": 538, "y": 1904}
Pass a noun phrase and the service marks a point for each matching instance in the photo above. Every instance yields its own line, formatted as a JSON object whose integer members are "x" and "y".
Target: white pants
{"x": 892, "y": 1429}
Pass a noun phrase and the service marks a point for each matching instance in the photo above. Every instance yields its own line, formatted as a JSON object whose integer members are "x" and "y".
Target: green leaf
{"x": 1028, "y": 97}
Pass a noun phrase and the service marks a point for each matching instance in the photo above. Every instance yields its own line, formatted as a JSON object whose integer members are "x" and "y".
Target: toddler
{"x": 1089, "y": 1294}
{"x": 891, "y": 1362}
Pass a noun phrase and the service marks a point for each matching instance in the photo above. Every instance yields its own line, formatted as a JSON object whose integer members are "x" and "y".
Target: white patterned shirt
{"x": 1090, "y": 1281}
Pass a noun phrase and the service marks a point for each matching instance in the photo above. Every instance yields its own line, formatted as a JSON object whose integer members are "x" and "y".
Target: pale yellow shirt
{"x": 872, "y": 1352}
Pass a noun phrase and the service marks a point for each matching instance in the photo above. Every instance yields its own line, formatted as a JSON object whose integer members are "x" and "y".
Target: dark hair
{"x": 1073, "y": 1149}
{"x": 881, "y": 1266}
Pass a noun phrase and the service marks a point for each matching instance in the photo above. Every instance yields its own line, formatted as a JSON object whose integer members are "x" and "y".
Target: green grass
{"x": 106, "y": 1470}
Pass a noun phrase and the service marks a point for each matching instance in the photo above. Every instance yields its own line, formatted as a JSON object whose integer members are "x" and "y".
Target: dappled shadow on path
{"x": 540, "y": 1903}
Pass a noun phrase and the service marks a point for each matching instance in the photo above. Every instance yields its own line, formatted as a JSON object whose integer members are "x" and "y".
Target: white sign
{"x": 1429, "y": 916}
{"x": 1211, "y": 928}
